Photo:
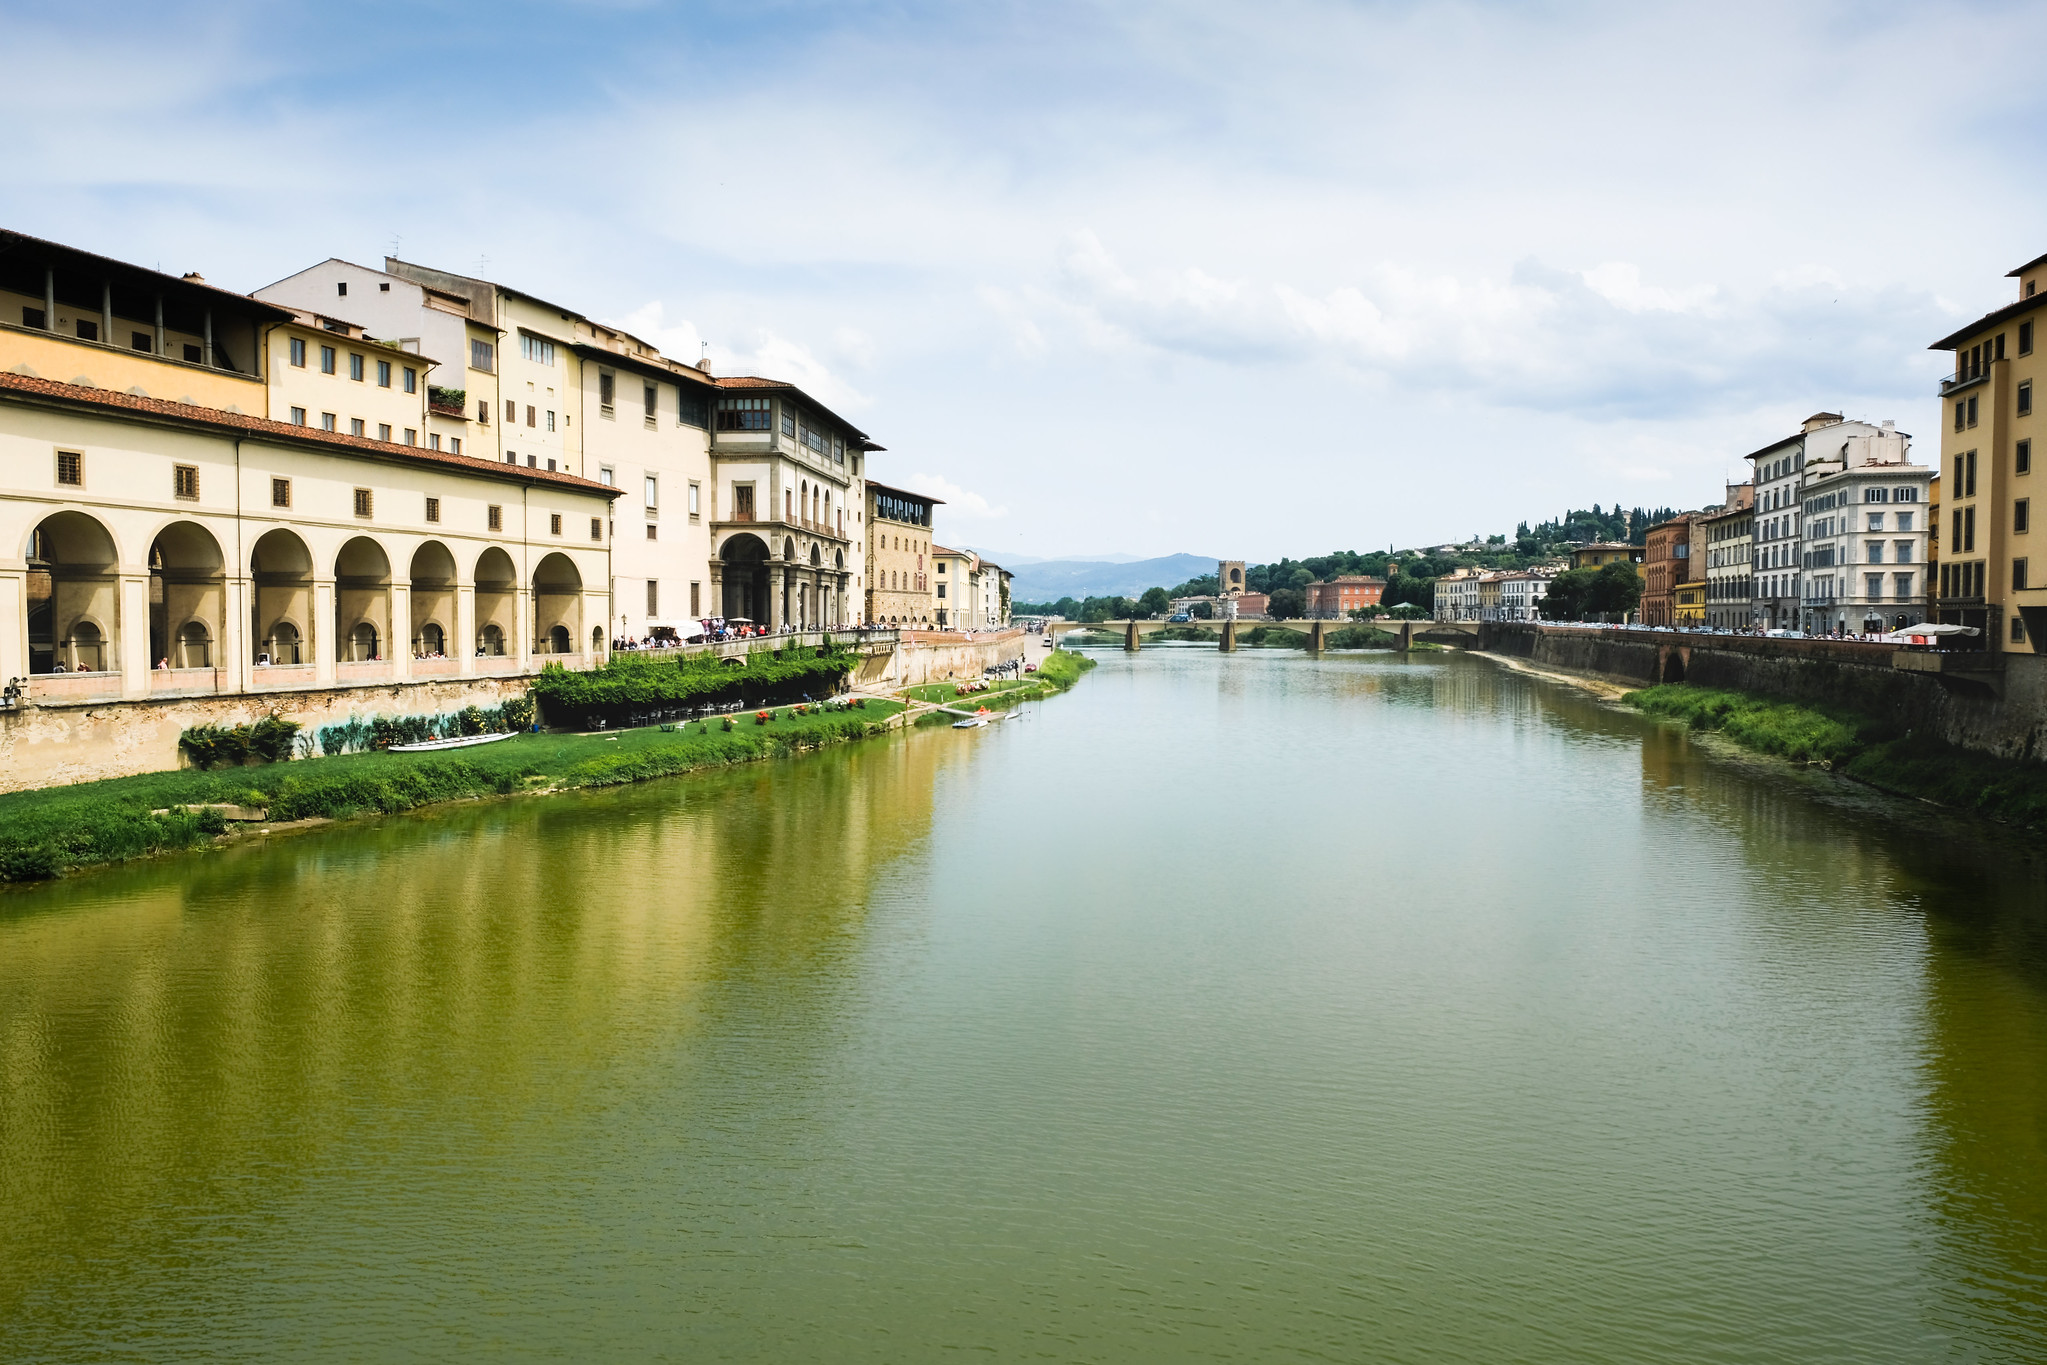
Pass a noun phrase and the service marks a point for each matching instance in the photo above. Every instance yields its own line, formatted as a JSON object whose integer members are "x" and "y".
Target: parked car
{"x": 1180, "y": 617}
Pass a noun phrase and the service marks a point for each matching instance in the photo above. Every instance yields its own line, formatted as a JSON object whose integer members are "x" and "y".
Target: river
{"x": 1226, "y": 1008}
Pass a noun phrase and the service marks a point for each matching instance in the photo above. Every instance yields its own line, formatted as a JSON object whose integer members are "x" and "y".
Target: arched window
{"x": 87, "y": 646}
{"x": 283, "y": 643}
{"x": 490, "y": 642}
{"x": 195, "y": 646}
{"x": 432, "y": 642}
{"x": 362, "y": 642}
{"x": 558, "y": 640}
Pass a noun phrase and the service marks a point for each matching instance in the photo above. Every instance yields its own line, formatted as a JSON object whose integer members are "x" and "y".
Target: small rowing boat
{"x": 431, "y": 746}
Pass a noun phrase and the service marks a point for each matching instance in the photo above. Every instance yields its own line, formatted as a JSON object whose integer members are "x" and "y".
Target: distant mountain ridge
{"x": 1052, "y": 579}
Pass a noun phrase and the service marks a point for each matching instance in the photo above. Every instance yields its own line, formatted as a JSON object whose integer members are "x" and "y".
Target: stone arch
{"x": 187, "y": 588}
{"x": 557, "y": 604}
{"x": 744, "y": 576}
{"x": 362, "y": 598}
{"x": 788, "y": 548}
{"x": 1673, "y": 670}
{"x": 73, "y": 595}
{"x": 433, "y": 599}
{"x": 281, "y": 605}
{"x": 816, "y": 557}
{"x": 497, "y": 603}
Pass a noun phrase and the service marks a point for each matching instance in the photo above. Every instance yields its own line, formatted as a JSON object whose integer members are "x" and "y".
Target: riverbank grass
{"x": 1861, "y": 747}
{"x": 43, "y": 833}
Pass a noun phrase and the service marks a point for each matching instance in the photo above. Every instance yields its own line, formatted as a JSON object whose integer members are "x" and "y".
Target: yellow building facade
{"x": 899, "y": 549}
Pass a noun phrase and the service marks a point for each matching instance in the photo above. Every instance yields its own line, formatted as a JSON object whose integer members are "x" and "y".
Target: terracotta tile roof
{"x": 750, "y": 381}
{"x": 218, "y": 419}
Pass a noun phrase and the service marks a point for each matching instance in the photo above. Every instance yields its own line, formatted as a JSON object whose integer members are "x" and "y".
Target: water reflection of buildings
{"x": 186, "y": 1046}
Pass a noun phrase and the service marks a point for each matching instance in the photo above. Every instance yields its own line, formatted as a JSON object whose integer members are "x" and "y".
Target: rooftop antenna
{"x": 395, "y": 240}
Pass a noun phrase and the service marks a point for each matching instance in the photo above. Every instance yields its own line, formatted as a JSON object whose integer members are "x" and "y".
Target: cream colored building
{"x": 901, "y": 574}
{"x": 159, "y": 535}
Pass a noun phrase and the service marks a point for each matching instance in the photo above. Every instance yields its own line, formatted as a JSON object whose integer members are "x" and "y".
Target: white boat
{"x": 970, "y": 723}
{"x": 459, "y": 742}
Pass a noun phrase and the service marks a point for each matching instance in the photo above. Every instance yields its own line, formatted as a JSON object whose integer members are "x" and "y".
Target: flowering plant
{"x": 762, "y": 717}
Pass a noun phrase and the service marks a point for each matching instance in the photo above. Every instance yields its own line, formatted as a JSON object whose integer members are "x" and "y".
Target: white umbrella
{"x": 1938, "y": 628}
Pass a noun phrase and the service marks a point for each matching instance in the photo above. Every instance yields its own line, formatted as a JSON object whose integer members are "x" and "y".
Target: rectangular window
{"x": 355, "y": 426}
{"x": 184, "y": 481}
{"x": 1961, "y": 414}
{"x": 607, "y": 389}
{"x": 743, "y": 414}
{"x": 280, "y": 492}
{"x": 383, "y": 374}
{"x": 1972, "y": 409}
{"x": 653, "y": 492}
{"x": 411, "y": 380}
{"x": 653, "y": 531}
{"x": 1902, "y": 582}
{"x": 554, "y": 523}
{"x": 696, "y": 598}
{"x": 1876, "y": 521}
{"x": 692, "y": 410}
{"x": 788, "y": 422}
{"x": 695, "y": 500}
{"x": 383, "y": 431}
{"x": 2018, "y": 630}
{"x": 363, "y": 502}
{"x": 36, "y": 318}
{"x": 326, "y": 360}
{"x": 537, "y": 350}
{"x": 1969, "y": 482}
{"x": 298, "y": 352}
{"x": 327, "y": 421}
{"x": 1873, "y": 552}
{"x": 511, "y": 413}
{"x": 2022, "y": 457}
{"x": 550, "y": 419}
{"x": 88, "y": 330}
{"x": 606, "y": 475}
{"x": 2018, "y": 575}
{"x": 140, "y": 341}
{"x": 482, "y": 413}
{"x": 454, "y": 445}
{"x": 434, "y": 441}
{"x": 433, "y": 509}
{"x": 652, "y": 396}
{"x": 2022, "y": 516}
{"x": 412, "y": 436}
{"x": 653, "y": 597}
{"x": 1904, "y": 521}
{"x": 482, "y": 355}
{"x": 2026, "y": 398}
{"x": 494, "y": 517}
{"x": 1955, "y": 537}
{"x": 532, "y": 416}
{"x": 2025, "y": 338}
{"x": 597, "y": 528}
{"x": 1901, "y": 551}
{"x": 298, "y": 417}
{"x": 1872, "y": 585}
{"x": 1968, "y": 530}
{"x": 742, "y": 502}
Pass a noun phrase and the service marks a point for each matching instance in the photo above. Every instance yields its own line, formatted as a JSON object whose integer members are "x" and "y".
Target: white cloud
{"x": 960, "y": 503}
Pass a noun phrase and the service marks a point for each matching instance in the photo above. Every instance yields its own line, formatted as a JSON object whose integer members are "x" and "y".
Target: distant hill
{"x": 1053, "y": 579}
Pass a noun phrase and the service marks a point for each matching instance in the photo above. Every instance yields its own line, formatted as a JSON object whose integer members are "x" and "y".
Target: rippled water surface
{"x": 1234, "y": 1008}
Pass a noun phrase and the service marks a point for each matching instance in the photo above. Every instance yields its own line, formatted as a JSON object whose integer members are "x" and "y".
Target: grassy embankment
{"x": 1059, "y": 671}
{"x": 1862, "y": 748}
{"x": 42, "y": 833}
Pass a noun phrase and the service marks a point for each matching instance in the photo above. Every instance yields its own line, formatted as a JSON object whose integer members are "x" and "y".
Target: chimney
{"x": 1890, "y": 428}
{"x": 193, "y": 277}
{"x": 704, "y": 363}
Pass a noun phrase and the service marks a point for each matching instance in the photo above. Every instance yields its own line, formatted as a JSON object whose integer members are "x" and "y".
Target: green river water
{"x": 1226, "y": 1008}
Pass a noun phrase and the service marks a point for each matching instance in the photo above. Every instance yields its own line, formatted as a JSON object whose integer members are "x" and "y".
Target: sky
{"x": 1139, "y": 278}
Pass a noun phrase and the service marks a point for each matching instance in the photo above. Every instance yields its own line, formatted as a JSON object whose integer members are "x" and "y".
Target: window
{"x": 341, "y": 289}
{"x": 383, "y": 431}
{"x": 1872, "y": 585}
{"x": 2018, "y": 630}
{"x": 482, "y": 413}
{"x": 550, "y": 466}
{"x": 1902, "y": 582}
{"x": 2022, "y": 457}
{"x": 327, "y": 421}
{"x": 1904, "y": 521}
{"x": 691, "y": 409}
{"x": 362, "y": 502}
{"x": 184, "y": 481}
{"x": 2018, "y": 575}
{"x": 696, "y": 491}
{"x": 191, "y": 353}
{"x": 494, "y": 517}
{"x": 454, "y": 445}
{"x": 742, "y": 502}
{"x": 536, "y": 349}
{"x": 550, "y": 419}
{"x": 653, "y": 492}
{"x": 433, "y": 441}
{"x": 1968, "y": 545}
{"x": 788, "y": 422}
{"x": 355, "y": 426}
{"x": 606, "y": 475}
{"x": 695, "y": 598}
{"x": 532, "y": 416}
{"x": 1876, "y": 521}
{"x": 298, "y": 351}
{"x": 1972, "y": 409}
{"x": 36, "y": 318}
{"x": 1969, "y": 482}
{"x": 607, "y": 390}
{"x": 411, "y": 380}
{"x": 383, "y": 374}
{"x": 298, "y": 417}
{"x": 412, "y": 437}
{"x": 2026, "y": 398}
{"x": 554, "y": 523}
{"x": 597, "y": 528}
{"x": 2022, "y": 516}
{"x": 653, "y": 531}
{"x": 1876, "y": 495}
{"x": 482, "y": 355}
{"x": 139, "y": 341}
{"x": 2026, "y": 333}
{"x": 88, "y": 330}
{"x": 743, "y": 414}
{"x": 1874, "y": 552}
{"x": 280, "y": 492}
{"x": 511, "y": 413}
{"x": 355, "y": 367}
{"x": 652, "y": 398}
{"x": 326, "y": 360}
{"x": 1904, "y": 495}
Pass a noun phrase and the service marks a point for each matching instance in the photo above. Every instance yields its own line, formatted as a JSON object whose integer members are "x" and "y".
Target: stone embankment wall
{"x": 48, "y": 746}
{"x": 932, "y": 656}
{"x": 1840, "y": 672}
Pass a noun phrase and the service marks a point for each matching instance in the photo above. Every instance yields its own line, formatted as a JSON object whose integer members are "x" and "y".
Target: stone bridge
{"x": 1405, "y": 633}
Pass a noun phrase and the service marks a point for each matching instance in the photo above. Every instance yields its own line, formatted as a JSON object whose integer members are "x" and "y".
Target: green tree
{"x": 1616, "y": 588}
{"x": 1286, "y": 604}
{"x": 1568, "y": 596}
{"x": 1201, "y": 611}
{"x": 1154, "y": 602}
